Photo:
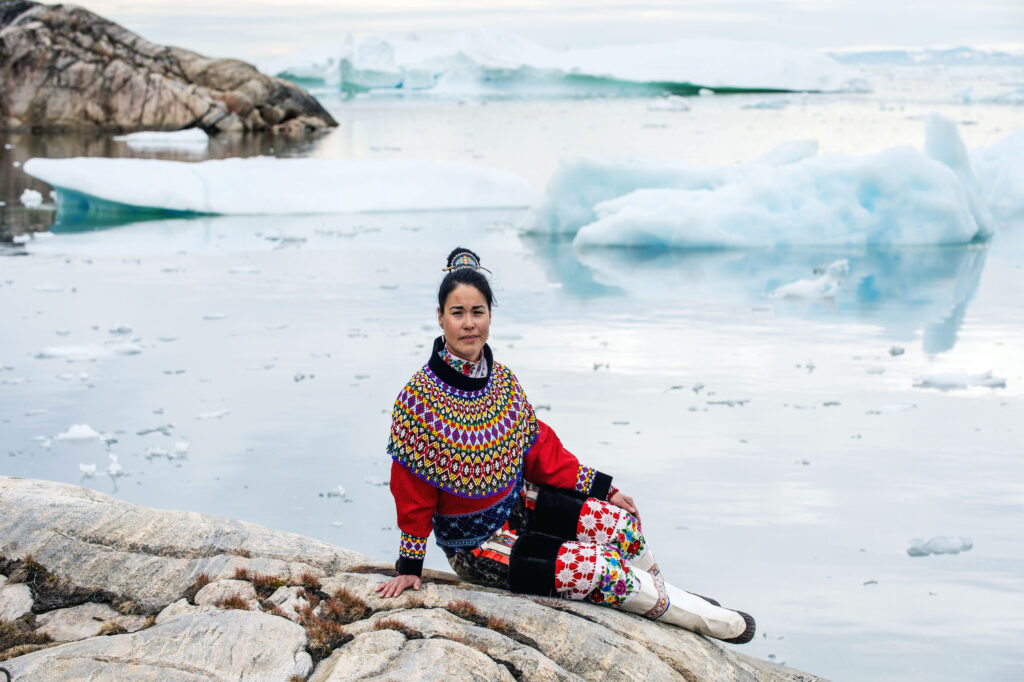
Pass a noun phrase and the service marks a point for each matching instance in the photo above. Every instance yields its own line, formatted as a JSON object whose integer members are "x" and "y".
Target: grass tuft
{"x": 322, "y": 635}
{"x": 233, "y": 602}
{"x": 111, "y": 628}
{"x": 242, "y": 573}
{"x": 17, "y": 633}
{"x": 307, "y": 580}
{"x": 201, "y": 581}
{"x": 265, "y": 584}
{"x": 463, "y": 609}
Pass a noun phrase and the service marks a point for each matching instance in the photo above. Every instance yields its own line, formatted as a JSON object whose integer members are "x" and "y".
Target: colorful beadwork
{"x": 412, "y": 547}
{"x": 467, "y": 443}
{"x": 605, "y": 524}
{"x": 660, "y": 606}
{"x": 584, "y": 479}
{"x": 576, "y": 572}
{"x": 476, "y": 370}
{"x": 463, "y": 260}
{"x": 617, "y": 584}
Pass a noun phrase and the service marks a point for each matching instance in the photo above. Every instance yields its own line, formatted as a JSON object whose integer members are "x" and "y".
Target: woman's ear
{"x": 439, "y": 319}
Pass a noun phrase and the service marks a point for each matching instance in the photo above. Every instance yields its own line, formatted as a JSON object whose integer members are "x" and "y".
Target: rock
{"x": 178, "y": 608}
{"x": 78, "y": 622}
{"x": 65, "y": 68}
{"x": 288, "y": 600}
{"x": 526, "y": 662}
{"x": 213, "y": 645}
{"x": 216, "y": 593}
{"x": 152, "y": 558}
{"x": 15, "y": 601}
{"x": 3, "y": 580}
{"x": 92, "y": 539}
{"x": 387, "y": 654}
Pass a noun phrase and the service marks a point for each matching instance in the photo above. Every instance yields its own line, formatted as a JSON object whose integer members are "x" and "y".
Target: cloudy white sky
{"x": 254, "y": 28}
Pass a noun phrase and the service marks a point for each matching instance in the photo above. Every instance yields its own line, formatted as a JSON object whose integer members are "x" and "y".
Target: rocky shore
{"x": 64, "y": 68}
{"x": 95, "y": 588}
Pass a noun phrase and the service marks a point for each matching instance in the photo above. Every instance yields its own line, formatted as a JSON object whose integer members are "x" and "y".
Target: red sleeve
{"x": 549, "y": 463}
{"x": 415, "y": 502}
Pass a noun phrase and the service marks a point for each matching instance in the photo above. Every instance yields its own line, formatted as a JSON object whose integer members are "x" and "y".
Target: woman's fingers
{"x": 397, "y": 585}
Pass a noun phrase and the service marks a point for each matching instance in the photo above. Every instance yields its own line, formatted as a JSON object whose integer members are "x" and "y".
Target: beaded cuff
{"x": 412, "y": 547}
{"x": 584, "y": 479}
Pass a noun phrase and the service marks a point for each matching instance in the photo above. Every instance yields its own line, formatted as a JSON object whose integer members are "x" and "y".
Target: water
{"x": 758, "y": 435}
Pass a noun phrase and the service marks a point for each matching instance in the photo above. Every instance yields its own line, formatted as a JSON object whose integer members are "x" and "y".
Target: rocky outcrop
{"x": 148, "y": 594}
{"x": 64, "y": 68}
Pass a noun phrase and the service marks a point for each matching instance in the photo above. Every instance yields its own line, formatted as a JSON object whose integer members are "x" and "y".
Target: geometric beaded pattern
{"x": 584, "y": 479}
{"x": 412, "y": 547}
{"x": 467, "y": 443}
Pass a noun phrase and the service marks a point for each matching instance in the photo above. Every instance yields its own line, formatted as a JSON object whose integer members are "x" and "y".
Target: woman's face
{"x": 466, "y": 321}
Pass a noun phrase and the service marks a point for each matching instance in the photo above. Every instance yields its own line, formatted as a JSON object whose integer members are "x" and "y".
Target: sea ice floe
{"x": 792, "y": 196}
{"x": 88, "y": 470}
{"x": 823, "y": 286}
{"x": 190, "y": 139}
{"x": 483, "y": 61}
{"x": 114, "y": 469}
{"x": 219, "y": 414}
{"x": 79, "y": 432}
{"x": 940, "y": 544}
{"x": 215, "y": 316}
{"x": 265, "y": 185}
{"x": 87, "y": 352}
{"x": 339, "y": 491}
{"x": 950, "y": 381}
{"x": 31, "y": 198}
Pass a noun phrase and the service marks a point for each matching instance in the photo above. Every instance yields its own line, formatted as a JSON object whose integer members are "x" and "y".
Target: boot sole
{"x": 747, "y": 634}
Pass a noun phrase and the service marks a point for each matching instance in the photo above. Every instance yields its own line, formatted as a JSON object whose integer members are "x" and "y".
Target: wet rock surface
{"x": 67, "y": 69}
{"x": 216, "y": 599}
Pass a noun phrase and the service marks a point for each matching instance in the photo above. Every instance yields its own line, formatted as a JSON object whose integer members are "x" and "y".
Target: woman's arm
{"x": 415, "y": 502}
{"x": 549, "y": 463}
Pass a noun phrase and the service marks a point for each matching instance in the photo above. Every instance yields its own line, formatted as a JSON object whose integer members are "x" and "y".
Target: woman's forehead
{"x": 465, "y": 295}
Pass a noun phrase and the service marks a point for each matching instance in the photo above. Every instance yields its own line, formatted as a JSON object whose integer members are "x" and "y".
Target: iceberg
{"x": 190, "y": 139}
{"x": 941, "y": 544}
{"x": 263, "y": 185}
{"x": 951, "y": 381}
{"x": 490, "y": 61}
{"x": 791, "y": 197}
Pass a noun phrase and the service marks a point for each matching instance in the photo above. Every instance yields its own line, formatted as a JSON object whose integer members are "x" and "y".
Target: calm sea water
{"x": 781, "y": 455}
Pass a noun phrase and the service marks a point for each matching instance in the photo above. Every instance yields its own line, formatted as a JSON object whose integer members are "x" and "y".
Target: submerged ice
{"x": 482, "y": 61}
{"x": 791, "y": 197}
{"x": 263, "y": 185}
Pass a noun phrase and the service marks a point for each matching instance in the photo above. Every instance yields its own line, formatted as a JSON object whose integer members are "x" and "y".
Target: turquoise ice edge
{"x": 80, "y": 212}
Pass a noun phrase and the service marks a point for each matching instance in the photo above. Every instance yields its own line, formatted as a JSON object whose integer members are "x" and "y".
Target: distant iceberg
{"x": 488, "y": 61}
{"x": 259, "y": 186}
{"x": 190, "y": 139}
{"x": 791, "y": 197}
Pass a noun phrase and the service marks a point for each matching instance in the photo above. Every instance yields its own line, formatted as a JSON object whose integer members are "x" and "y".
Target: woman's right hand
{"x": 399, "y": 584}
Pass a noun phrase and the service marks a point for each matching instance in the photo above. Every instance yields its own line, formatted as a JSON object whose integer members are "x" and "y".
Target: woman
{"x": 511, "y": 507}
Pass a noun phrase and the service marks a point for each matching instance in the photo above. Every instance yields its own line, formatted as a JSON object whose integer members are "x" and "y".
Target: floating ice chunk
{"x": 120, "y": 330}
{"x": 337, "y": 492}
{"x": 898, "y": 407}
{"x": 669, "y": 103}
{"x": 88, "y": 470}
{"x": 824, "y": 286}
{"x": 31, "y": 198}
{"x": 21, "y": 239}
{"x": 1000, "y": 169}
{"x": 896, "y": 351}
{"x": 374, "y": 481}
{"x": 244, "y": 270}
{"x": 114, "y": 469}
{"x": 943, "y": 144}
{"x": 48, "y": 288}
{"x": 215, "y": 316}
{"x": 190, "y": 139}
{"x": 264, "y": 185}
{"x": 951, "y": 381}
{"x": 79, "y": 432}
{"x": 220, "y": 414}
{"x": 181, "y": 448}
{"x": 940, "y": 544}
{"x": 88, "y": 352}
{"x": 43, "y": 441}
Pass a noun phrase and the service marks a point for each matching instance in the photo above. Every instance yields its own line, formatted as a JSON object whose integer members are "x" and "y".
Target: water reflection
{"x": 906, "y": 291}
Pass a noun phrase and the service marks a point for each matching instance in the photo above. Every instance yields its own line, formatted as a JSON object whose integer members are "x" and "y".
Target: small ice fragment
{"x": 896, "y": 350}
{"x": 898, "y": 407}
{"x": 88, "y": 470}
{"x": 337, "y": 492}
{"x": 21, "y": 238}
{"x": 697, "y": 387}
{"x": 276, "y": 327}
{"x": 244, "y": 270}
{"x": 299, "y": 376}
{"x": 951, "y": 381}
{"x": 213, "y": 415}
{"x": 670, "y": 103}
{"x": 114, "y": 469}
{"x": 79, "y": 432}
{"x": 831, "y": 403}
{"x": 875, "y": 370}
{"x": 824, "y": 286}
{"x": 373, "y": 480}
{"x": 120, "y": 329}
{"x": 181, "y": 447}
{"x": 215, "y": 316}
{"x": 155, "y": 453}
{"x": 43, "y": 441}
{"x": 49, "y": 288}
{"x": 35, "y": 412}
{"x": 705, "y": 92}
{"x": 337, "y": 524}
{"x": 940, "y": 544}
{"x": 31, "y": 198}
{"x": 167, "y": 339}
{"x": 870, "y": 582}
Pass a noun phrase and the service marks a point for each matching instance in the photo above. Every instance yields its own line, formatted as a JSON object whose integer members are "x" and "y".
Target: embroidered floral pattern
{"x": 605, "y": 524}
{"x": 412, "y": 547}
{"x": 584, "y": 479}
{"x": 576, "y": 572}
{"x": 617, "y": 584}
{"x": 467, "y": 443}
{"x": 476, "y": 370}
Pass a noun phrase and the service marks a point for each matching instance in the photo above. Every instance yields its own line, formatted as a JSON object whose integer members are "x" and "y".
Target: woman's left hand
{"x": 625, "y": 502}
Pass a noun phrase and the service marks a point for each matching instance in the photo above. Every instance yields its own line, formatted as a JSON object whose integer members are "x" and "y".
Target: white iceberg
{"x": 485, "y": 61}
{"x": 31, "y": 198}
{"x": 791, "y": 197}
{"x": 262, "y": 186}
{"x": 951, "y": 381}
{"x": 940, "y": 544}
{"x": 190, "y": 139}
{"x": 79, "y": 432}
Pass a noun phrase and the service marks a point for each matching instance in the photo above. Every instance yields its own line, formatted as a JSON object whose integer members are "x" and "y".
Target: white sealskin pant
{"x": 669, "y": 604}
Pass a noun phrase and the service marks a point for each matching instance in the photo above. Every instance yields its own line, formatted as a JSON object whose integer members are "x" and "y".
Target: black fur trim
{"x": 456, "y": 379}
{"x": 557, "y": 512}
{"x": 601, "y": 486}
{"x": 531, "y": 565}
